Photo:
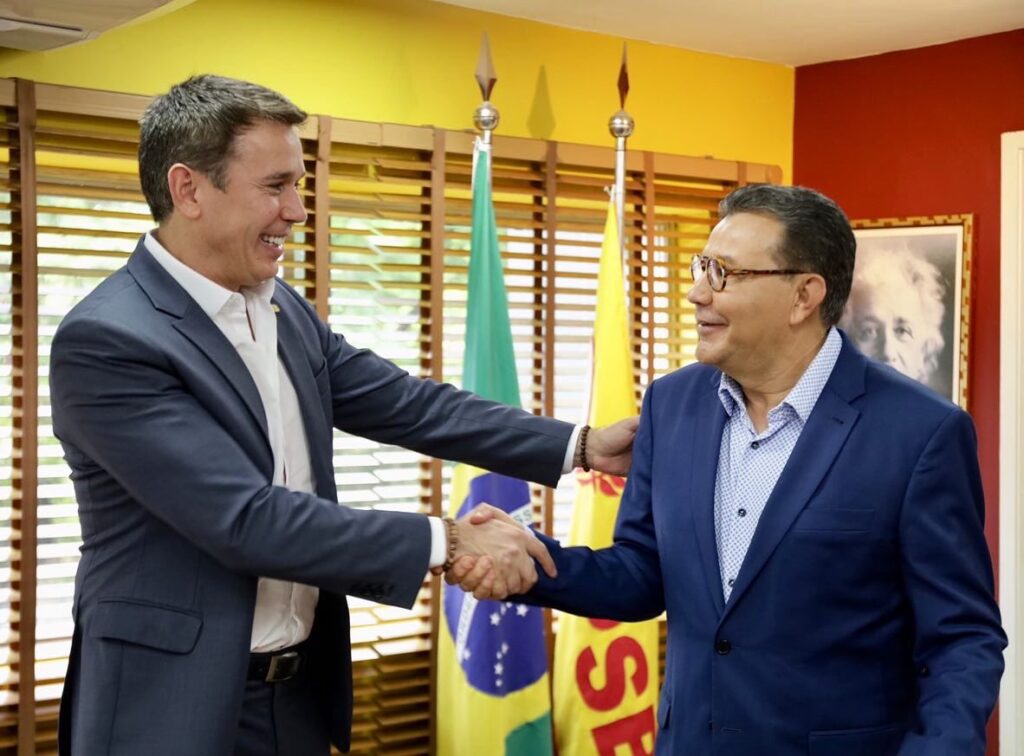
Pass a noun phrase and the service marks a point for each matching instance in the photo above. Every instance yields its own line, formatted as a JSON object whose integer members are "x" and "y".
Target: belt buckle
{"x": 283, "y": 666}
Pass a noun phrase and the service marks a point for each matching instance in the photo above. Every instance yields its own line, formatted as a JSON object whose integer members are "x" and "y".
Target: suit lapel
{"x": 819, "y": 444}
{"x": 707, "y": 439}
{"x": 200, "y": 330}
{"x": 190, "y": 320}
{"x": 292, "y": 354}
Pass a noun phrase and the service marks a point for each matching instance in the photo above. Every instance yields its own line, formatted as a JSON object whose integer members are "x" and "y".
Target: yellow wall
{"x": 412, "y": 61}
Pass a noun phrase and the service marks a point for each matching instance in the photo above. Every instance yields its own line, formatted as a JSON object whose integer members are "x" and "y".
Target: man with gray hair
{"x": 194, "y": 395}
{"x": 896, "y": 311}
{"x": 809, "y": 520}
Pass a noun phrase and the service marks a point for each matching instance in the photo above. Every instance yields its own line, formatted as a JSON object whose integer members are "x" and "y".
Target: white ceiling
{"x": 48, "y": 24}
{"x": 794, "y": 32}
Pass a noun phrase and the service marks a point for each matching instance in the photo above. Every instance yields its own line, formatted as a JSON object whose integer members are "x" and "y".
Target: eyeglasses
{"x": 716, "y": 272}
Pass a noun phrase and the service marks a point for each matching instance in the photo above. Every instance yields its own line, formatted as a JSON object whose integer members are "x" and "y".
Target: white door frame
{"x": 1011, "y": 441}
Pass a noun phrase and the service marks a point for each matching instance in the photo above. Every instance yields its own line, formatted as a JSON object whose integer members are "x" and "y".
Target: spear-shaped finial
{"x": 486, "y": 116}
{"x": 621, "y": 124}
{"x": 621, "y": 127}
{"x": 485, "y": 75}
{"x": 623, "y": 79}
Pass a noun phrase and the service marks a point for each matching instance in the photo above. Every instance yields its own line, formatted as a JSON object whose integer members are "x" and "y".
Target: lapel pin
{"x": 275, "y": 307}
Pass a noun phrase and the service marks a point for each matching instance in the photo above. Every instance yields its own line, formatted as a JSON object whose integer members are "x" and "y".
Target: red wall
{"x": 917, "y": 132}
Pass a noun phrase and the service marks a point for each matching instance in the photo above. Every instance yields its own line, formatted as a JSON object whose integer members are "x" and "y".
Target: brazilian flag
{"x": 492, "y": 681}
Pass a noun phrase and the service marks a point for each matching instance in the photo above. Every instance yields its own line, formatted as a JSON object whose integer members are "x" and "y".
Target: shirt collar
{"x": 209, "y": 295}
{"x": 804, "y": 395}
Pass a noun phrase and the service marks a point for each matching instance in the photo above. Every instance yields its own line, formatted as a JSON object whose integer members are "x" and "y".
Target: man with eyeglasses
{"x": 810, "y": 520}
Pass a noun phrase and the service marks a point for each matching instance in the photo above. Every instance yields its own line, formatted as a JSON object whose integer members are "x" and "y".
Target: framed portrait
{"x": 909, "y": 305}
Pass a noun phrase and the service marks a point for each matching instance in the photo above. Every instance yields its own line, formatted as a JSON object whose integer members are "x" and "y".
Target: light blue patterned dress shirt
{"x": 750, "y": 463}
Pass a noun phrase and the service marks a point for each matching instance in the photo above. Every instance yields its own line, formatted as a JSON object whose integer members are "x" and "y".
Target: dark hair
{"x": 196, "y": 123}
{"x": 816, "y": 236}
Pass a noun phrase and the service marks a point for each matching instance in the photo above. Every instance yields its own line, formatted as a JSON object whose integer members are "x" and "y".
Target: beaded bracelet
{"x": 453, "y": 542}
{"x": 582, "y": 459}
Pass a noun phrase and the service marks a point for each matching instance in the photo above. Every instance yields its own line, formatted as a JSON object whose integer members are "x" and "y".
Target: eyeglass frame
{"x": 703, "y": 261}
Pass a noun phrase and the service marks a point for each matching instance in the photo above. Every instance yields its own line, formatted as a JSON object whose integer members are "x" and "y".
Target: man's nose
{"x": 887, "y": 347}
{"x": 700, "y": 292}
{"x": 292, "y": 209}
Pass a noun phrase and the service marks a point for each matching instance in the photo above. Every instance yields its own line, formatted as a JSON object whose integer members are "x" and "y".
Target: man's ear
{"x": 182, "y": 182}
{"x": 809, "y": 295}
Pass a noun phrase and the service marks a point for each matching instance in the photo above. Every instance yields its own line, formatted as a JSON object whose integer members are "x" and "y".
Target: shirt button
{"x": 741, "y": 512}
{"x": 723, "y": 647}
{"x": 732, "y": 582}
{"x": 755, "y": 444}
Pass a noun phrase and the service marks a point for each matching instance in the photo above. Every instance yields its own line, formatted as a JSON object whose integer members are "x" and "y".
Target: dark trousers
{"x": 281, "y": 719}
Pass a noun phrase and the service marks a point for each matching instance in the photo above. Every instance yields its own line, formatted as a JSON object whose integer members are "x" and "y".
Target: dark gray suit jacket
{"x": 166, "y": 438}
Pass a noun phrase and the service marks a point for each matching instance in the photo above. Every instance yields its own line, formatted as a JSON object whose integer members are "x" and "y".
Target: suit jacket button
{"x": 722, "y": 646}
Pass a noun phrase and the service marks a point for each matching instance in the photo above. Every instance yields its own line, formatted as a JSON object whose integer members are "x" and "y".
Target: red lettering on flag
{"x": 626, "y": 731}
{"x": 607, "y": 698}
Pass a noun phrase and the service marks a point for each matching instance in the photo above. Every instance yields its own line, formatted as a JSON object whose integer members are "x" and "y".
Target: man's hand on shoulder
{"x": 610, "y": 448}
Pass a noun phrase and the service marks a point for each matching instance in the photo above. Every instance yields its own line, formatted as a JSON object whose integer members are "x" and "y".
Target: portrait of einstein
{"x": 904, "y": 306}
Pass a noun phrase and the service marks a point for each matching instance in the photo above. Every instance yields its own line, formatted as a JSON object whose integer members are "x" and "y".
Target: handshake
{"x": 494, "y": 556}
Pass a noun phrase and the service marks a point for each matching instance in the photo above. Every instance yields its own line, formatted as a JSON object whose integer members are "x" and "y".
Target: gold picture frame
{"x": 910, "y": 301}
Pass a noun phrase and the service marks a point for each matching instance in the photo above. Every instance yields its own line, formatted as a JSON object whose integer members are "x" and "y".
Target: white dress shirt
{"x": 284, "y": 610}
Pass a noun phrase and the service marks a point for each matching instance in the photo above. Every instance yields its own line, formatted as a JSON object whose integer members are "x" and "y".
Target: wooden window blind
{"x": 9, "y": 404}
{"x": 380, "y": 296}
{"x": 383, "y": 256}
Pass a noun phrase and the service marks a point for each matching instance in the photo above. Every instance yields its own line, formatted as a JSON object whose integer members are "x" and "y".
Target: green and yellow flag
{"x": 606, "y": 673}
{"x": 492, "y": 676}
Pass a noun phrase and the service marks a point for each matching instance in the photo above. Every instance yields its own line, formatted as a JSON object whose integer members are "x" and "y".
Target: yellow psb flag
{"x": 605, "y": 672}
{"x": 492, "y": 665}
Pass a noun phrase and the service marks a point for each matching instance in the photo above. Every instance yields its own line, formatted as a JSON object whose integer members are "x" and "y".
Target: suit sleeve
{"x": 374, "y": 398}
{"x": 623, "y": 581}
{"x": 123, "y": 413}
{"x": 958, "y": 642}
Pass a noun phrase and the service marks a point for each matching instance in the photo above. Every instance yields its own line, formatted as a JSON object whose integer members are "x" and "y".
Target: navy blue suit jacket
{"x": 166, "y": 438}
{"x": 862, "y": 621}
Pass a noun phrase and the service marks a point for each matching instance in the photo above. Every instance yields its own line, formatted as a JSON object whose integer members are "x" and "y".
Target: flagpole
{"x": 580, "y": 722}
{"x": 486, "y": 117}
{"x": 621, "y": 127}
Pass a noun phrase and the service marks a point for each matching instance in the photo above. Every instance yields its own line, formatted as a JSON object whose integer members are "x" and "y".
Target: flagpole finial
{"x": 621, "y": 124}
{"x": 485, "y": 74}
{"x": 486, "y": 116}
{"x": 623, "y": 78}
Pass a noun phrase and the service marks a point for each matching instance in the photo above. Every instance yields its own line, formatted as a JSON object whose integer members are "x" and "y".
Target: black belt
{"x": 277, "y": 666}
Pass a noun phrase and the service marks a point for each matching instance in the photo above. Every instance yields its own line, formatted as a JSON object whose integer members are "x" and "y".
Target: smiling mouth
{"x": 704, "y": 328}
{"x": 274, "y": 241}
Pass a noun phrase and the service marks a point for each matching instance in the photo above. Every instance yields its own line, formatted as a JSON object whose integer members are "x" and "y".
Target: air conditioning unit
{"x": 48, "y": 24}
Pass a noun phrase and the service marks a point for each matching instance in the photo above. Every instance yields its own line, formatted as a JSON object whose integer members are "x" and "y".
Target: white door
{"x": 1011, "y": 442}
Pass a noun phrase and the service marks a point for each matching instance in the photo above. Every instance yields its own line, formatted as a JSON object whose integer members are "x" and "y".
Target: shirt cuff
{"x": 570, "y": 452}
{"x": 438, "y": 542}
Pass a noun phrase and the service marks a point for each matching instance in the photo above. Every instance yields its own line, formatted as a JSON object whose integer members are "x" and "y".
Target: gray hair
{"x": 816, "y": 236}
{"x": 196, "y": 124}
{"x": 913, "y": 276}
